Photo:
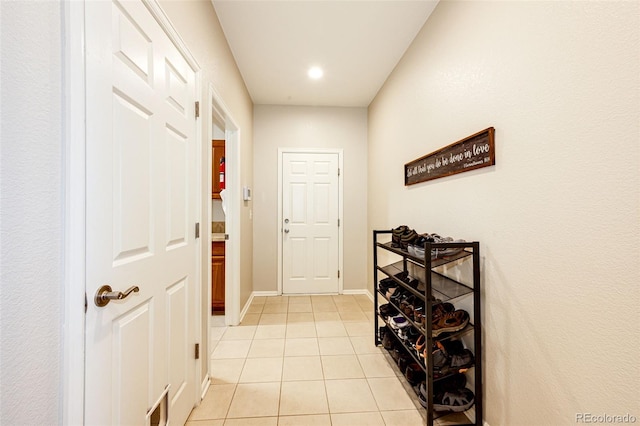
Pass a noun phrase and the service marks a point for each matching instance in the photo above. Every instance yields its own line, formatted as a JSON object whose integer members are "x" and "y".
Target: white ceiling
{"x": 356, "y": 42}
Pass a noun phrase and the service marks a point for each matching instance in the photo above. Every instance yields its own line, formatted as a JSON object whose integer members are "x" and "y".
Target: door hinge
{"x": 197, "y": 351}
{"x": 338, "y": 223}
{"x": 338, "y": 273}
{"x": 198, "y": 230}
{"x": 197, "y": 109}
{"x": 338, "y": 171}
{"x": 85, "y": 303}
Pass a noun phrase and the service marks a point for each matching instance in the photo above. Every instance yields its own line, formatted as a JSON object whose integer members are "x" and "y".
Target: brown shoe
{"x": 438, "y": 310}
{"x": 450, "y": 322}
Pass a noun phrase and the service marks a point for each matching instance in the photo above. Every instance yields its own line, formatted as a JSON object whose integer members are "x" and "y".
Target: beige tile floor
{"x": 304, "y": 361}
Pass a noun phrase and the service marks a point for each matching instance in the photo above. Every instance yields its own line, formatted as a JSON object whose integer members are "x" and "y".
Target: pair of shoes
{"x": 417, "y": 248}
{"x": 419, "y": 346}
{"x": 402, "y": 236}
{"x": 449, "y": 357}
{"x": 398, "y": 296}
{"x": 387, "y": 283}
{"x": 440, "y": 253}
{"x": 439, "y": 310}
{"x": 407, "y": 279}
{"x": 387, "y": 310}
{"x": 418, "y": 315}
{"x": 388, "y": 341}
{"x": 397, "y": 233}
{"x": 450, "y": 322}
{"x": 450, "y": 394}
{"x": 408, "y": 334}
{"x": 407, "y": 304}
{"x": 449, "y": 384}
{"x": 414, "y": 373}
{"x": 398, "y": 322}
{"x": 458, "y": 400}
{"x": 408, "y": 238}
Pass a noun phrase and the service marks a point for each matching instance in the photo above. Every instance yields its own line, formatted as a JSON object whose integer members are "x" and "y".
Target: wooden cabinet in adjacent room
{"x": 217, "y": 277}
{"x": 217, "y": 153}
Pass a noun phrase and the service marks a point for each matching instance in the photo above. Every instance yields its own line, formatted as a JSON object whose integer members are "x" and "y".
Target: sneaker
{"x": 388, "y": 341}
{"x": 398, "y": 295}
{"x": 452, "y": 251}
{"x": 407, "y": 305}
{"x": 398, "y": 322}
{"x": 451, "y": 357}
{"x": 396, "y": 234}
{"x": 450, "y": 384}
{"x": 412, "y": 335}
{"x": 387, "y": 310}
{"x": 451, "y": 394}
{"x": 408, "y": 237}
{"x": 414, "y": 373}
{"x": 439, "y": 310}
{"x": 440, "y": 359}
{"x": 445, "y": 252}
{"x": 423, "y": 399}
{"x": 457, "y": 401}
{"x": 462, "y": 360}
{"x": 418, "y": 251}
{"x": 450, "y": 322}
{"x": 418, "y": 244}
{"x": 386, "y": 284}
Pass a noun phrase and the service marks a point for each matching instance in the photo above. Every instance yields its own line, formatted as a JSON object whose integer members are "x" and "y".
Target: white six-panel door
{"x": 310, "y": 212}
{"x": 141, "y": 199}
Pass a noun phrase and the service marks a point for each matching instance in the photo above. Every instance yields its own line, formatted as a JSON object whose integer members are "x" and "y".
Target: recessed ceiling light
{"x": 315, "y": 73}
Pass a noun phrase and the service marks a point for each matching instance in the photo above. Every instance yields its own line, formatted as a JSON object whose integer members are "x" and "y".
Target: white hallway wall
{"x": 31, "y": 223}
{"x": 309, "y": 127}
{"x": 557, "y": 217}
{"x": 32, "y": 192}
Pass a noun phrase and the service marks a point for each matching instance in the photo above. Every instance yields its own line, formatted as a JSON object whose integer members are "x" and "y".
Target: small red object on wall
{"x": 221, "y": 173}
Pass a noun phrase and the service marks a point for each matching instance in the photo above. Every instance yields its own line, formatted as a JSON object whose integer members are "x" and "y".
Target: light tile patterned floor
{"x": 304, "y": 361}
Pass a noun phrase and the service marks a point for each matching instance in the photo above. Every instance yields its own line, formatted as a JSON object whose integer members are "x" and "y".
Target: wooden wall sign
{"x": 473, "y": 152}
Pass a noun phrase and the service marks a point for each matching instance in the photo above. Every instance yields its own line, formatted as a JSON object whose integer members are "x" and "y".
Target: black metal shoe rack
{"x": 444, "y": 289}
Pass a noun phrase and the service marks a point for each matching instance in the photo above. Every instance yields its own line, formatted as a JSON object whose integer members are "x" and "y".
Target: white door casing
{"x": 233, "y": 202}
{"x": 310, "y": 212}
{"x": 141, "y": 208}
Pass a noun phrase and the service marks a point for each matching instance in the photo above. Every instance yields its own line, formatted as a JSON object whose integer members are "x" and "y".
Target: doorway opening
{"x": 223, "y": 214}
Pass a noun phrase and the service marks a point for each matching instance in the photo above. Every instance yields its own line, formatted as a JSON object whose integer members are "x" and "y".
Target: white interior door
{"x": 310, "y": 212}
{"x": 141, "y": 199}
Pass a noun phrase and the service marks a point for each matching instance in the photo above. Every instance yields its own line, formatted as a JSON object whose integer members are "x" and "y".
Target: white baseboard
{"x": 264, "y": 293}
{"x": 359, "y": 291}
{"x": 356, "y": 291}
{"x": 245, "y": 308}
{"x": 205, "y": 387}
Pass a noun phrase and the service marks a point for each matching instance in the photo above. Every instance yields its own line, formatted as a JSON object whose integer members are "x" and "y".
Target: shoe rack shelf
{"x": 438, "y": 280}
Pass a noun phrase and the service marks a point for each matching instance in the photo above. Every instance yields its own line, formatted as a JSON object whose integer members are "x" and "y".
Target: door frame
{"x": 75, "y": 297}
{"x": 232, "y": 201}
{"x": 339, "y": 151}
